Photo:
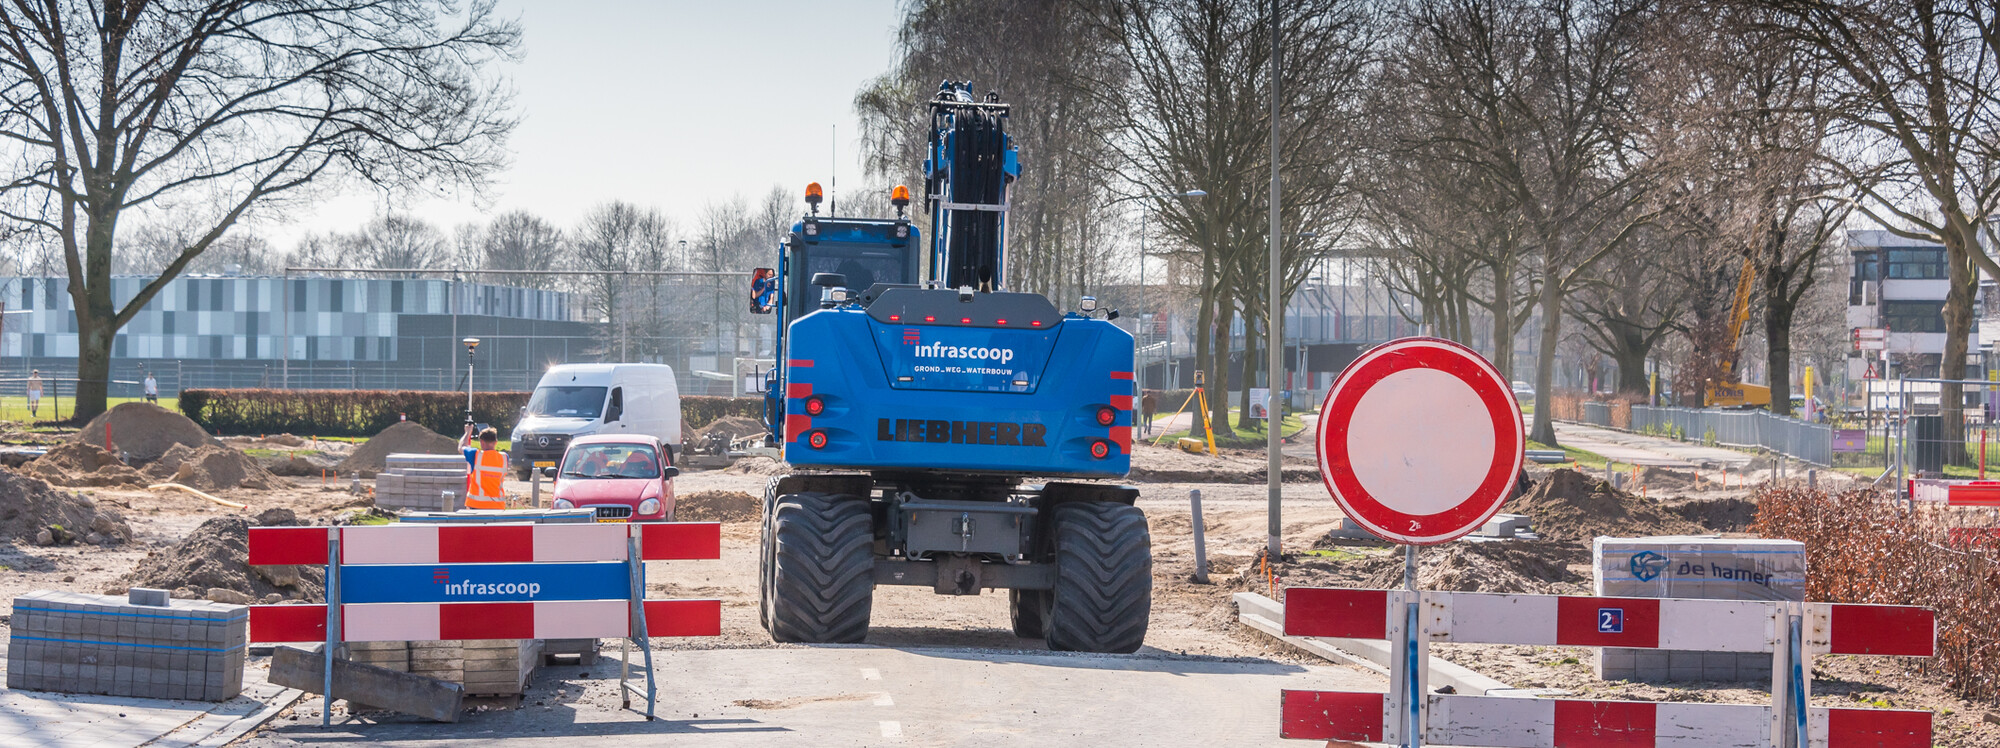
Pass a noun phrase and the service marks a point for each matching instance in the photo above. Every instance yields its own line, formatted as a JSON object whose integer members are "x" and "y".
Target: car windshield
{"x": 567, "y": 402}
{"x": 611, "y": 461}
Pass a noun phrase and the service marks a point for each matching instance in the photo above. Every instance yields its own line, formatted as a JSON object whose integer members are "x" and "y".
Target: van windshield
{"x": 567, "y": 402}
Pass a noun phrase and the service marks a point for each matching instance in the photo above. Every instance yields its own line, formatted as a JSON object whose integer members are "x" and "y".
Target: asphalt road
{"x": 872, "y": 696}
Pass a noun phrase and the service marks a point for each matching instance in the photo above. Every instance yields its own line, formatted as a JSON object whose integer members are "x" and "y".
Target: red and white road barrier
{"x": 1510, "y": 722}
{"x": 1958, "y": 492}
{"x": 1792, "y": 632}
{"x": 483, "y": 544}
{"x": 1636, "y": 622}
{"x": 568, "y": 619}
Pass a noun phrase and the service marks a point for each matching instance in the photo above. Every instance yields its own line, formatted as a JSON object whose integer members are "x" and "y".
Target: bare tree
{"x": 519, "y": 240}
{"x": 216, "y": 108}
{"x": 1541, "y": 96}
{"x": 1915, "y": 97}
{"x": 616, "y": 237}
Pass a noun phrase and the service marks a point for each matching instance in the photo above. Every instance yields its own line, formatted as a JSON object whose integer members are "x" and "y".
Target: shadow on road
{"x": 364, "y": 731}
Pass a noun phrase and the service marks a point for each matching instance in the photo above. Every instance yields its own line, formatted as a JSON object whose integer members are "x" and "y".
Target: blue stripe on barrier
{"x": 483, "y": 583}
{"x": 224, "y": 650}
{"x": 237, "y": 617}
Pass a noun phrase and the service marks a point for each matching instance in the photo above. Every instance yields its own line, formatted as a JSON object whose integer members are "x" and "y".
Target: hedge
{"x": 344, "y": 412}
{"x": 368, "y": 412}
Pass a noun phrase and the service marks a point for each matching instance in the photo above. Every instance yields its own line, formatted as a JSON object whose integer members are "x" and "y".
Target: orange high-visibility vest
{"x": 483, "y": 485}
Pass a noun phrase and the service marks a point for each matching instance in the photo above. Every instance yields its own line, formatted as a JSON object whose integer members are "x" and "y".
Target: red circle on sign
{"x": 1437, "y": 436}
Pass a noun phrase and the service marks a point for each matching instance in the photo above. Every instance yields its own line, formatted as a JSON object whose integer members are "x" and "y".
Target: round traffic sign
{"x": 1420, "y": 440}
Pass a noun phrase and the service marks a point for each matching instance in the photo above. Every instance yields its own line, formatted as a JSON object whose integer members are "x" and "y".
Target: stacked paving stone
{"x": 420, "y": 482}
{"x": 78, "y": 643}
{"x": 388, "y": 655}
{"x": 483, "y": 666}
{"x": 1691, "y": 567}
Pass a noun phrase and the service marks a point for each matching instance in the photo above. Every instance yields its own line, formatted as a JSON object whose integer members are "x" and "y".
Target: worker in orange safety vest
{"x": 486, "y": 470}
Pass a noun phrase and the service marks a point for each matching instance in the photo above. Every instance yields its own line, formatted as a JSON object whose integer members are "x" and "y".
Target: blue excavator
{"x": 943, "y": 431}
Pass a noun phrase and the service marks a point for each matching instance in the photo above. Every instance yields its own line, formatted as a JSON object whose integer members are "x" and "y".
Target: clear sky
{"x": 665, "y": 103}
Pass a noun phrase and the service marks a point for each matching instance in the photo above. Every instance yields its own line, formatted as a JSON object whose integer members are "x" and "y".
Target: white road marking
{"x": 892, "y": 729}
{"x": 869, "y": 673}
{"x": 883, "y": 699}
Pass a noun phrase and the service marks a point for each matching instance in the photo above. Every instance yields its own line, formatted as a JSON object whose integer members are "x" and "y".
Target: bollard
{"x": 1200, "y": 542}
{"x": 1812, "y": 479}
{"x": 535, "y": 485}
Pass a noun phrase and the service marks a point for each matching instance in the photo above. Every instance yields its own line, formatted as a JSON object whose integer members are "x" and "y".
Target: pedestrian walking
{"x": 34, "y": 393}
{"x": 152, "y": 388}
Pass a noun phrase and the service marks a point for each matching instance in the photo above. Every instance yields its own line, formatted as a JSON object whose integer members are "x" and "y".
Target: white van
{"x": 575, "y": 400}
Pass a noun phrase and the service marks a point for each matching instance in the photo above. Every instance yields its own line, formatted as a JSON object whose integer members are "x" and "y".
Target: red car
{"x": 623, "y": 478}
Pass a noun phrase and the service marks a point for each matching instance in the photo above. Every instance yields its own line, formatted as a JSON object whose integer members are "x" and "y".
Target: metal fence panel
{"x": 1811, "y": 442}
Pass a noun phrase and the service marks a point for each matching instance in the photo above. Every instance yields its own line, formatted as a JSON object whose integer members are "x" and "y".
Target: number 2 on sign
{"x": 1416, "y": 526}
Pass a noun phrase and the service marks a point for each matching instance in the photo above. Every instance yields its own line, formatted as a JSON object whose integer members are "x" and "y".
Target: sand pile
{"x": 31, "y": 510}
{"x": 216, "y": 556}
{"x": 758, "y": 465}
{"x": 210, "y": 468}
{"x": 1570, "y": 506}
{"x": 716, "y": 506}
{"x": 406, "y": 437}
{"x": 79, "y": 464}
{"x": 144, "y": 430}
{"x": 1667, "y": 479}
{"x": 1536, "y": 567}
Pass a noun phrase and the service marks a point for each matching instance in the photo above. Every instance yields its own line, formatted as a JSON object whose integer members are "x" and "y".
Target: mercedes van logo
{"x": 542, "y": 442}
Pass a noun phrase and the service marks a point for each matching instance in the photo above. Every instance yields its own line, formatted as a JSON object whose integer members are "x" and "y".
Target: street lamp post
{"x": 1145, "y": 210}
{"x": 471, "y": 344}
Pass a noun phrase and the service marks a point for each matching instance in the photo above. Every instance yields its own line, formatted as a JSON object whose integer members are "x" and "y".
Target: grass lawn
{"x": 15, "y": 407}
{"x": 1583, "y": 458}
{"x": 1240, "y": 438}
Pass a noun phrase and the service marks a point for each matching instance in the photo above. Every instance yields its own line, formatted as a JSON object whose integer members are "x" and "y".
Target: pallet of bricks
{"x": 142, "y": 645}
{"x": 430, "y": 483}
{"x": 485, "y": 667}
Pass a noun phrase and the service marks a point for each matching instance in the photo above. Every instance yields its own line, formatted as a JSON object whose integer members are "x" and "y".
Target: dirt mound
{"x": 758, "y": 466}
{"x": 1719, "y": 515}
{"x": 731, "y": 428}
{"x": 1667, "y": 479}
{"x": 31, "y": 510}
{"x": 715, "y": 506}
{"x": 144, "y": 430}
{"x": 217, "y": 555}
{"x": 210, "y": 468}
{"x": 293, "y": 466}
{"x": 79, "y": 464}
{"x": 1570, "y": 506}
{"x": 1535, "y": 567}
{"x": 406, "y": 437}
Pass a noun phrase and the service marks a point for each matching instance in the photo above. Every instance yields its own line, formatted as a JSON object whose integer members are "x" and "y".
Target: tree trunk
{"x": 1503, "y": 321}
{"x": 1778, "y": 313}
{"x": 94, "y": 316}
{"x": 1218, "y": 378}
{"x": 1251, "y": 362}
{"x": 1957, "y": 328}
{"x": 1544, "y": 430}
{"x": 1204, "y": 339}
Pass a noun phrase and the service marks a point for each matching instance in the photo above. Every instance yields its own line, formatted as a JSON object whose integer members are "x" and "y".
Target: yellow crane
{"x": 1731, "y": 391}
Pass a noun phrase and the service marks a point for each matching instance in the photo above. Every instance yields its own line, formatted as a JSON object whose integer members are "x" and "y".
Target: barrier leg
{"x": 332, "y": 622}
{"x": 638, "y": 634}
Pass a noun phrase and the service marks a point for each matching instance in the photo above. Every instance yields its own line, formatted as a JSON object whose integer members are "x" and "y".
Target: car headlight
{"x": 649, "y": 506}
{"x": 564, "y": 504}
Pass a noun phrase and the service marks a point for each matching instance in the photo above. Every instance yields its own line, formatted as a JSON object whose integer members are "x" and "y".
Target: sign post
{"x": 1420, "y": 443}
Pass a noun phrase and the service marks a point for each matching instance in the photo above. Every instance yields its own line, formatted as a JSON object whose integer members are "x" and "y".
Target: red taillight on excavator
{"x": 1105, "y": 416}
{"x": 815, "y": 406}
{"x": 895, "y": 318}
{"x": 1100, "y": 449}
{"x": 818, "y": 439}
{"x": 930, "y": 319}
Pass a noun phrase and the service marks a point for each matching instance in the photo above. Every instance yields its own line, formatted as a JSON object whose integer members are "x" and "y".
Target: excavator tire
{"x": 1104, "y": 578}
{"x": 1029, "y": 610}
{"x": 822, "y": 579}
